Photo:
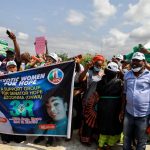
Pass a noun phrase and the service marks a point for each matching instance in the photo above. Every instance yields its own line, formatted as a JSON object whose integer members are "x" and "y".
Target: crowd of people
{"x": 116, "y": 101}
{"x": 111, "y": 100}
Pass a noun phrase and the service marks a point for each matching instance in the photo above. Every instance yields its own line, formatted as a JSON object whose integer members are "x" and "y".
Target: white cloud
{"x": 42, "y": 29}
{"x": 3, "y": 34}
{"x": 22, "y": 36}
{"x": 3, "y": 31}
{"x": 141, "y": 34}
{"x": 24, "y": 42}
{"x": 71, "y": 46}
{"x": 120, "y": 42}
{"x": 103, "y": 10}
{"x": 75, "y": 18}
{"x": 138, "y": 13}
{"x": 116, "y": 38}
{"x": 114, "y": 43}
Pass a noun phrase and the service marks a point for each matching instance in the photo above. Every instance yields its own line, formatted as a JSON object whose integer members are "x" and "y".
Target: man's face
{"x": 12, "y": 68}
{"x": 56, "y": 108}
{"x": 137, "y": 63}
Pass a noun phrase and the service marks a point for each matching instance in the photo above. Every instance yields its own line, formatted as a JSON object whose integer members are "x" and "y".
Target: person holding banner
{"x": 11, "y": 67}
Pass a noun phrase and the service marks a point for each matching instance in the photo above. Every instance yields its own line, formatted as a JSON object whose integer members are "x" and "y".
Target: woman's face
{"x": 98, "y": 64}
{"x": 56, "y": 108}
{"x": 49, "y": 61}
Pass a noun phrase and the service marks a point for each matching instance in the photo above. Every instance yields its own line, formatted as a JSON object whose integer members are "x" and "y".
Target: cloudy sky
{"x": 106, "y": 27}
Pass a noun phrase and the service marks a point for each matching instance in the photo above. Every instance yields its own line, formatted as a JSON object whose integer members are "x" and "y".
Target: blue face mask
{"x": 96, "y": 69}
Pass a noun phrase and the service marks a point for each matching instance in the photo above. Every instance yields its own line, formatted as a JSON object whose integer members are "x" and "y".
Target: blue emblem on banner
{"x": 55, "y": 76}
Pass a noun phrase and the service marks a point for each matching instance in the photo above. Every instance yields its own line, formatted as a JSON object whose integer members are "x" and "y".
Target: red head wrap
{"x": 98, "y": 58}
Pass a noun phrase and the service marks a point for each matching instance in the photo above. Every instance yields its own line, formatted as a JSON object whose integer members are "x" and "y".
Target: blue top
{"x": 137, "y": 90}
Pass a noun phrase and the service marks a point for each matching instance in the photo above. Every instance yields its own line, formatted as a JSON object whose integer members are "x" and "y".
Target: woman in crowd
{"x": 109, "y": 90}
{"x": 93, "y": 73}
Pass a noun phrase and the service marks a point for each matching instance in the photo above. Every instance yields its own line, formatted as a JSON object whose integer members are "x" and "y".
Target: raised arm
{"x": 82, "y": 76}
{"x": 16, "y": 45}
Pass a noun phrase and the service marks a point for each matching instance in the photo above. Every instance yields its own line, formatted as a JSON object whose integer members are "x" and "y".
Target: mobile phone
{"x": 8, "y": 32}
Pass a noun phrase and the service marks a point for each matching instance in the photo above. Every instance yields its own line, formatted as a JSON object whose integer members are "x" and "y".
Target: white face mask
{"x": 136, "y": 69}
{"x": 125, "y": 70}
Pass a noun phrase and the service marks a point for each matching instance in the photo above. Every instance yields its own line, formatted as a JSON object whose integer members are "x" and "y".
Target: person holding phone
{"x": 10, "y": 53}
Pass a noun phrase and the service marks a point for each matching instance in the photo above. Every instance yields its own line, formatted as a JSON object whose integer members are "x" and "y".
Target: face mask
{"x": 96, "y": 69}
{"x": 136, "y": 69}
{"x": 125, "y": 70}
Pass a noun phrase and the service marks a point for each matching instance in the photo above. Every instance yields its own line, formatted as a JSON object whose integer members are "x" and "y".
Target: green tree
{"x": 63, "y": 56}
{"x": 86, "y": 58}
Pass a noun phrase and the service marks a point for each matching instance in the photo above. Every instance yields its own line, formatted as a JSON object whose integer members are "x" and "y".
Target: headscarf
{"x": 98, "y": 58}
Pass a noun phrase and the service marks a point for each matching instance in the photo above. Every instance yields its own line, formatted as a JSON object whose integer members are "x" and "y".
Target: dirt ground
{"x": 59, "y": 144}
